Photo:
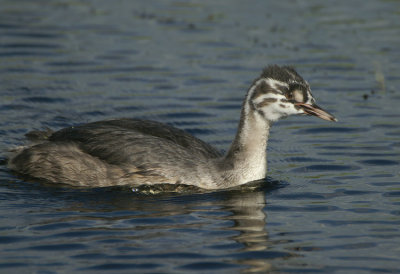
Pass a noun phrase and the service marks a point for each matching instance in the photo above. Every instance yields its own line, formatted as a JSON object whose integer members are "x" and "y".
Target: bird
{"x": 136, "y": 152}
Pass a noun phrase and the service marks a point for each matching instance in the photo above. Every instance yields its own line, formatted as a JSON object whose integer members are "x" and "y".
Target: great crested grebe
{"x": 139, "y": 152}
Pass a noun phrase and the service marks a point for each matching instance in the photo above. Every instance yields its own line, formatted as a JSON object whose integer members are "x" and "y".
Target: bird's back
{"x": 116, "y": 140}
{"x": 113, "y": 152}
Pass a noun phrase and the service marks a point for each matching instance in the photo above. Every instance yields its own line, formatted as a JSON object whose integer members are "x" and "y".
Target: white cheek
{"x": 271, "y": 115}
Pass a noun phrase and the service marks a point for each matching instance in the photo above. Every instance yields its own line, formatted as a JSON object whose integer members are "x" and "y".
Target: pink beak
{"x": 317, "y": 111}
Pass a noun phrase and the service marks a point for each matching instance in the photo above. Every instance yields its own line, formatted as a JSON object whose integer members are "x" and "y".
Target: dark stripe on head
{"x": 261, "y": 112}
{"x": 259, "y": 90}
{"x": 305, "y": 96}
{"x": 282, "y": 88}
{"x": 266, "y": 102}
{"x": 263, "y": 88}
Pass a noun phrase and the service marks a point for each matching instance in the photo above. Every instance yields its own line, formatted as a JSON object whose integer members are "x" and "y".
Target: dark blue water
{"x": 332, "y": 199}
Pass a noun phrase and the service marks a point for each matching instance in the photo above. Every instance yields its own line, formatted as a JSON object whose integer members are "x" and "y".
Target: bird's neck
{"x": 246, "y": 159}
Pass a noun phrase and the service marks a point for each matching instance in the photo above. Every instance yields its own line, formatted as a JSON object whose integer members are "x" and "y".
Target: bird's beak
{"x": 317, "y": 111}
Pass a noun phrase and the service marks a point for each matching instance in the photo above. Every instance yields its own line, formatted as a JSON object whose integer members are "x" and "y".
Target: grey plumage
{"x": 112, "y": 152}
{"x": 139, "y": 152}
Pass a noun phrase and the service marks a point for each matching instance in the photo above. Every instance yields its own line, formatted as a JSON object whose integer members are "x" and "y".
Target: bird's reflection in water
{"x": 247, "y": 207}
{"x": 249, "y": 219}
{"x": 240, "y": 210}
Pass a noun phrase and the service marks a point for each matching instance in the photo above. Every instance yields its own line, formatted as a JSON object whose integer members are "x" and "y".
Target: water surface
{"x": 331, "y": 201}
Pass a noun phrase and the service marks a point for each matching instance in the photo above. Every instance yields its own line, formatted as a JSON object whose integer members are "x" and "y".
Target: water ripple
{"x": 189, "y": 64}
{"x": 332, "y": 130}
{"x": 379, "y": 162}
{"x": 325, "y": 167}
{"x": 57, "y": 247}
{"x": 45, "y": 100}
{"x": 208, "y": 266}
{"x": 122, "y": 266}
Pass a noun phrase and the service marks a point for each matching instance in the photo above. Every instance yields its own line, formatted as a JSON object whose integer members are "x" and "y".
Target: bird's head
{"x": 280, "y": 92}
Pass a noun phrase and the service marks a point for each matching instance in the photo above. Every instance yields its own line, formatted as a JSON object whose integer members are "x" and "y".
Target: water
{"x": 332, "y": 199}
